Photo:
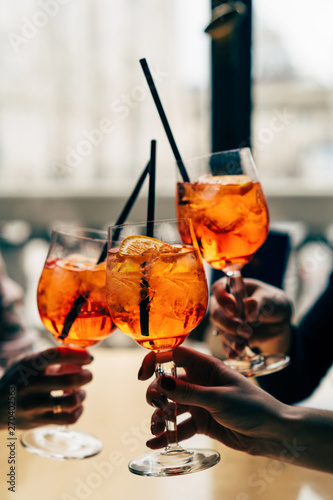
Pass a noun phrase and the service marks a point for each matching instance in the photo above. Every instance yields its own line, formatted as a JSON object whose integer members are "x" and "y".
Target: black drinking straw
{"x": 80, "y": 300}
{"x": 72, "y": 315}
{"x": 164, "y": 119}
{"x": 144, "y": 284}
{"x": 151, "y": 191}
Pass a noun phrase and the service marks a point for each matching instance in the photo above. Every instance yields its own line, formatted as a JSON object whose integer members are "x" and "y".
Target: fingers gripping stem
{"x": 237, "y": 289}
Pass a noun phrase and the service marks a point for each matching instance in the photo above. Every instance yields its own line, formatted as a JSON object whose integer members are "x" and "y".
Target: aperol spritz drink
{"x": 165, "y": 282}
{"x": 65, "y": 280}
{"x": 228, "y": 208}
{"x": 157, "y": 293}
{"x": 229, "y": 214}
{"x": 72, "y": 304}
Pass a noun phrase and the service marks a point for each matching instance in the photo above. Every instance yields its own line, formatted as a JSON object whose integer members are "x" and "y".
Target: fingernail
{"x": 153, "y": 427}
{"x": 78, "y": 411}
{"x": 157, "y": 403}
{"x": 168, "y": 383}
{"x": 86, "y": 374}
{"x": 81, "y": 394}
{"x": 140, "y": 373}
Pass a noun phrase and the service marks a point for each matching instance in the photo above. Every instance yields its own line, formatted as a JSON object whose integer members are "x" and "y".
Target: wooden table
{"x": 116, "y": 411}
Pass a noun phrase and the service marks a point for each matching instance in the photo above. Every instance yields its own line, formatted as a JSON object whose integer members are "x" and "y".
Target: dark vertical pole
{"x": 231, "y": 86}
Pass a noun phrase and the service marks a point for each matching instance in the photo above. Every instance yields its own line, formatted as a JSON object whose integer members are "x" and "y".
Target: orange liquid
{"x": 61, "y": 282}
{"x": 157, "y": 299}
{"x": 230, "y": 221}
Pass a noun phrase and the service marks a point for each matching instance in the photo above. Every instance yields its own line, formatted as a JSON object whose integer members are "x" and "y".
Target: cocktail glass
{"x": 72, "y": 306}
{"x": 157, "y": 293}
{"x": 228, "y": 208}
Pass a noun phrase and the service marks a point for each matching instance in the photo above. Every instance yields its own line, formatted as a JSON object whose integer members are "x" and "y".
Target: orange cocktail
{"x": 226, "y": 203}
{"x": 72, "y": 305}
{"x": 158, "y": 294}
{"x": 65, "y": 280}
{"x": 229, "y": 215}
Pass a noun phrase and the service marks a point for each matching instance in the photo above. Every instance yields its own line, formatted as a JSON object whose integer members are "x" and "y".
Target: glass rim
{"x": 144, "y": 223}
{"x": 246, "y": 149}
{"x": 81, "y": 233}
{"x": 114, "y": 231}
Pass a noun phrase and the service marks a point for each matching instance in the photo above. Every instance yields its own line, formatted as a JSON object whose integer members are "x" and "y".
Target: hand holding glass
{"x": 157, "y": 294}
{"x": 72, "y": 305}
{"x": 227, "y": 205}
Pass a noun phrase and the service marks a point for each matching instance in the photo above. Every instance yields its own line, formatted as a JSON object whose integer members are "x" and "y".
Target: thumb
{"x": 187, "y": 394}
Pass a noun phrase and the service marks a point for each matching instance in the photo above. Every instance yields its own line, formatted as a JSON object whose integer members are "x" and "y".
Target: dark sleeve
{"x": 311, "y": 354}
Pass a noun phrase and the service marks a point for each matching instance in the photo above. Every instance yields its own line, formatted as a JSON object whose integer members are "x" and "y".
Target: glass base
{"x": 259, "y": 365}
{"x": 174, "y": 462}
{"x": 60, "y": 443}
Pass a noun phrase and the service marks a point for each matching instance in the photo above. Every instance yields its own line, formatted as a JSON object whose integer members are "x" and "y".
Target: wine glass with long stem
{"x": 157, "y": 293}
{"x": 72, "y": 305}
{"x": 228, "y": 208}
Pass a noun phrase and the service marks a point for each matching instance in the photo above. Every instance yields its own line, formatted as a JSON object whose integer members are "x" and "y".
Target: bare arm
{"x": 229, "y": 408}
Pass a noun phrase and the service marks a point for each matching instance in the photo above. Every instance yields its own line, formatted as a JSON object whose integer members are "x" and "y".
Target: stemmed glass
{"x": 227, "y": 205}
{"x": 72, "y": 306}
{"x": 157, "y": 293}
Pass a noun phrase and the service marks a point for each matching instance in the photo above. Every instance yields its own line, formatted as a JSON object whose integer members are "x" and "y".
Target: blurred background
{"x": 77, "y": 117}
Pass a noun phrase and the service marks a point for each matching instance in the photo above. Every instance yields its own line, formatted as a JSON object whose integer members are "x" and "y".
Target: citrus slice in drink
{"x": 138, "y": 245}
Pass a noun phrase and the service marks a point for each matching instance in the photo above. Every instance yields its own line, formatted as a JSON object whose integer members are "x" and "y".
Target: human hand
{"x": 32, "y": 379}
{"x": 268, "y": 317}
{"x": 222, "y": 404}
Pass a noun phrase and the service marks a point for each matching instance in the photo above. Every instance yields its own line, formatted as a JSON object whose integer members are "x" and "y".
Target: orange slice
{"x": 137, "y": 245}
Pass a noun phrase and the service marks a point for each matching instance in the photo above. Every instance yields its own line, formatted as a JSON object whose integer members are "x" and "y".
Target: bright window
{"x": 292, "y": 131}
{"x": 75, "y": 106}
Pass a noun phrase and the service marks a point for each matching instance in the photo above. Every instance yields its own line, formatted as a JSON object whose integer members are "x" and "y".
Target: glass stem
{"x": 169, "y": 368}
{"x": 237, "y": 289}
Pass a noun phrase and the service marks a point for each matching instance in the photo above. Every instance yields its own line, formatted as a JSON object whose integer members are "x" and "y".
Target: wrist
{"x": 286, "y": 443}
{"x": 275, "y": 432}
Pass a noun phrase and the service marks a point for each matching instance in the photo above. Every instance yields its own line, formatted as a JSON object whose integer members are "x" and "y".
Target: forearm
{"x": 303, "y": 437}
